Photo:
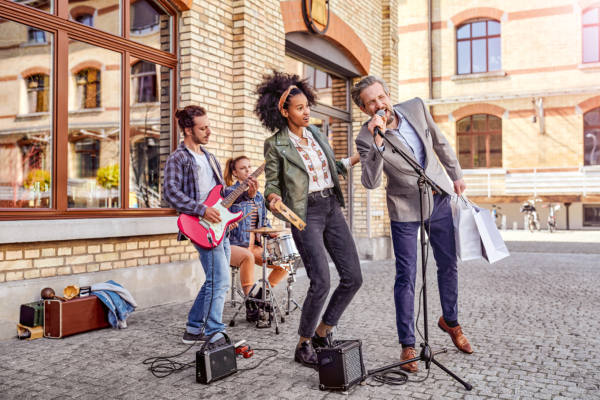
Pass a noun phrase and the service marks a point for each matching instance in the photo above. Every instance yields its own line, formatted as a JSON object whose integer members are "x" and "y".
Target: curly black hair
{"x": 269, "y": 92}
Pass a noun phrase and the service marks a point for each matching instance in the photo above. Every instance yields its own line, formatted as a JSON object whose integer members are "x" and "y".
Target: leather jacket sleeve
{"x": 272, "y": 168}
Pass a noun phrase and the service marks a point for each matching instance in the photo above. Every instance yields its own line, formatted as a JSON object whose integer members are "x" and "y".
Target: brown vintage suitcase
{"x": 66, "y": 318}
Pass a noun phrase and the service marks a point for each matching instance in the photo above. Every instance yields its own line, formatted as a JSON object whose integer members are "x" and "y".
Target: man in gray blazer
{"x": 410, "y": 127}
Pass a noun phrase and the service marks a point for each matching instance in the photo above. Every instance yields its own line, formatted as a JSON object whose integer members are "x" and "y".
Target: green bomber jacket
{"x": 286, "y": 174}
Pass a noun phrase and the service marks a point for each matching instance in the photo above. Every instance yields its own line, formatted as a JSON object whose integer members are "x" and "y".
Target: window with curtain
{"x": 479, "y": 141}
{"x": 36, "y": 35}
{"x": 38, "y": 87}
{"x": 591, "y": 35}
{"x": 88, "y": 88}
{"x": 478, "y": 47}
{"x": 143, "y": 76}
{"x": 85, "y": 19}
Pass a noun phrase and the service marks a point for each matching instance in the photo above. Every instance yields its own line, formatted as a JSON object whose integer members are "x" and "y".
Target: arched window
{"x": 591, "y": 137}
{"x": 85, "y": 19}
{"x": 88, "y": 88}
{"x": 478, "y": 47}
{"x": 480, "y": 141}
{"x": 591, "y": 35}
{"x": 38, "y": 86}
{"x": 143, "y": 77}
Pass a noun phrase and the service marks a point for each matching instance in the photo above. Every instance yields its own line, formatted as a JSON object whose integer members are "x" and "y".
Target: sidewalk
{"x": 532, "y": 319}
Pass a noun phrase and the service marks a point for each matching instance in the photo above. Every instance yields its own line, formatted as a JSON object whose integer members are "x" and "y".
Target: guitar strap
{"x": 214, "y": 167}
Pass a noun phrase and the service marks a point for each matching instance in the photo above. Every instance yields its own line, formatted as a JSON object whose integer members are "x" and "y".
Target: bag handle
{"x": 467, "y": 200}
{"x": 210, "y": 337}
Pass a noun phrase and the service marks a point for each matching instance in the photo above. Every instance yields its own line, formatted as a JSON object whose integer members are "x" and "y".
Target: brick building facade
{"x": 204, "y": 52}
{"x": 514, "y": 87}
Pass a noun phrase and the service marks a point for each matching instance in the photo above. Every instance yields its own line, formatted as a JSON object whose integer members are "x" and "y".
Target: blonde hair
{"x": 230, "y": 166}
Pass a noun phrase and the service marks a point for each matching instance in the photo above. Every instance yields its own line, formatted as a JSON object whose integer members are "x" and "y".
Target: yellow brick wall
{"x": 46, "y": 259}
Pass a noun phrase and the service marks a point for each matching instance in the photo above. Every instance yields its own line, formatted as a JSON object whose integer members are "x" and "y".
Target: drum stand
{"x": 288, "y": 289}
{"x": 271, "y": 298}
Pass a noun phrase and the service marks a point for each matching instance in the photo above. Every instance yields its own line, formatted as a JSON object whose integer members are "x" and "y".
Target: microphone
{"x": 381, "y": 113}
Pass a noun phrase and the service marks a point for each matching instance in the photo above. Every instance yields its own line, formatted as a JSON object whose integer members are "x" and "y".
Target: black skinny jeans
{"x": 326, "y": 228}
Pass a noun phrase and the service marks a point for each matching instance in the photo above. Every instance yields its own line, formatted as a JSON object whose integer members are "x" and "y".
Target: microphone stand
{"x": 426, "y": 354}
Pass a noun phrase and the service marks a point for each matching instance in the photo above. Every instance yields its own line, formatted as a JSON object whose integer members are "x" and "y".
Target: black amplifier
{"x": 217, "y": 363}
{"x": 341, "y": 366}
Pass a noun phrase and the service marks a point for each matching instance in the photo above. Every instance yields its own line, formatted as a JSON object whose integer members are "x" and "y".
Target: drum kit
{"x": 276, "y": 251}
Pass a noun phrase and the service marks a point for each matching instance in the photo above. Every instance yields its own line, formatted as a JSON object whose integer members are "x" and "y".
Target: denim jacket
{"x": 239, "y": 236}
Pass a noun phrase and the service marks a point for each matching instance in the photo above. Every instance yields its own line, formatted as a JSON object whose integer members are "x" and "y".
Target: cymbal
{"x": 265, "y": 230}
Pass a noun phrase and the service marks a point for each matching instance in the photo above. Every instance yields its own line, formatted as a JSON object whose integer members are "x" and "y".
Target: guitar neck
{"x": 228, "y": 201}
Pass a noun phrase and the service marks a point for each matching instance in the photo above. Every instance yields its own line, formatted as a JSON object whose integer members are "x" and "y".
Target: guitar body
{"x": 197, "y": 229}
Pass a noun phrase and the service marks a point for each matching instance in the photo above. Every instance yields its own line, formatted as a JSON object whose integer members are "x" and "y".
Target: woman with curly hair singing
{"x": 301, "y": 171}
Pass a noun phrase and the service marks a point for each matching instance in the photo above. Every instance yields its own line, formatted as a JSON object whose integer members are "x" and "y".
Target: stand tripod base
{"x": 428, "y": 358}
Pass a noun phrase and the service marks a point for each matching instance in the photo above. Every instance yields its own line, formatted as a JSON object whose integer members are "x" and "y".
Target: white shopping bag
{"x": 493, "y": 247}
{"x": 466, "y": 234}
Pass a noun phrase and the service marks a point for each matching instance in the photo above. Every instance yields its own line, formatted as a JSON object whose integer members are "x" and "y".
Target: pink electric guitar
{"x": 198, "y": 230}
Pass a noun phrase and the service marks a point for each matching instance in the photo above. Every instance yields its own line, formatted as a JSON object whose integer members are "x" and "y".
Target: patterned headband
{"x": 284, "y": 96}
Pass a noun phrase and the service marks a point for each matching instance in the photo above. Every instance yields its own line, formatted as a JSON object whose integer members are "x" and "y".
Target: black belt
{"x": 323, "y": 193}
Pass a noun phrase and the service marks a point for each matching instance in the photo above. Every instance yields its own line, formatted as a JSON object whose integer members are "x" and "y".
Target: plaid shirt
{"x": 180, "y": 187}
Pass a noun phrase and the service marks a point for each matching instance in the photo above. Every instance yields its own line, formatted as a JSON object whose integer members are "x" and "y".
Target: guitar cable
{"x": 163, "y": 366}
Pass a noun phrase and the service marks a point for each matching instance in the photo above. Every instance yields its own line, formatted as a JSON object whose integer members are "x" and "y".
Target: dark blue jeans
{"x": 406, "y": 246}
{"x": 326, "y": 228}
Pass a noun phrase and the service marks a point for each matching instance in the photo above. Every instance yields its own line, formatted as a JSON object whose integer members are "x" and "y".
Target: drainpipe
{"x": 430, "y": 51}
{"x": 369, "y": 214}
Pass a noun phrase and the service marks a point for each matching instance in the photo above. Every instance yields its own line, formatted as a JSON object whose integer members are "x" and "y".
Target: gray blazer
{"x": 402, "y": 189}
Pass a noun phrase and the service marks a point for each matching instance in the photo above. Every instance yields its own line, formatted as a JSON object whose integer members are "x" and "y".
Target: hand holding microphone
{"x": 377, "y": 127}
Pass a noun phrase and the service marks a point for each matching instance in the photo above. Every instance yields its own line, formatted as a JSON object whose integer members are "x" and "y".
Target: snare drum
{"x": 282, "y": 249}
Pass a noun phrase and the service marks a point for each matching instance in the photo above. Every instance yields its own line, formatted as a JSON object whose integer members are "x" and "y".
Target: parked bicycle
{"x": 496, "y": 215}
{"x": 553, "y": 208}
{"x": 533, "y": 219}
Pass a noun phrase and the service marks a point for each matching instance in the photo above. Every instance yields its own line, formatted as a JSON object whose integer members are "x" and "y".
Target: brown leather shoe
{"x": 407, "y": 354}
{"x": 458, "y": 337}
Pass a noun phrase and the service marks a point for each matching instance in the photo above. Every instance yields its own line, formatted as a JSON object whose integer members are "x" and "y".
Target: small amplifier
{"x": 32, "y": 314}
{"x": 217, "y": 363}
{"x": 341, "y": 366}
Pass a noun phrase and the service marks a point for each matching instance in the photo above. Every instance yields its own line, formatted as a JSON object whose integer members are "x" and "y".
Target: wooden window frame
{"x": 64, "y": 30}
{"x": 597, "y": 6}
{"x": 470, "y": 39}
{"x": 487, "y": 132}
{"x": 585, "y": 128}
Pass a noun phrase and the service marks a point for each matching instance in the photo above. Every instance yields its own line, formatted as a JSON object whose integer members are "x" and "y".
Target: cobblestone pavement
{"x": 531, "y": 318}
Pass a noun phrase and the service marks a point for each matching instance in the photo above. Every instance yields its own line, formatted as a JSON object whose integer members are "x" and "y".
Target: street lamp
{"x": 591, "y": 135}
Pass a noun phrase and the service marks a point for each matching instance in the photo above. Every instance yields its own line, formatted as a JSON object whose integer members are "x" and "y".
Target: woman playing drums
{"x": 245, "y": 246}
{"x": 301, "y": 171}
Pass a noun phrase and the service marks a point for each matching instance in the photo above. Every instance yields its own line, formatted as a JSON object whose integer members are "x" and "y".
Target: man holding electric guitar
{"x": 193, "y": 186}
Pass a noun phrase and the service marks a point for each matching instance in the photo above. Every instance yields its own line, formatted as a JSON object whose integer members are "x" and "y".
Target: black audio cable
{"x": 162, "y": 366}
{"x": 397, "y": 377}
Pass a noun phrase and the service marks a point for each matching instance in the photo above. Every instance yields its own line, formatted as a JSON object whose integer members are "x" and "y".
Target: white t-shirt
{"x": 206, "y": 178}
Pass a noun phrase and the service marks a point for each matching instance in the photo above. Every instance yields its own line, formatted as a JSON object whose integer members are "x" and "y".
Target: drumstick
{"x": 289, "y": 215}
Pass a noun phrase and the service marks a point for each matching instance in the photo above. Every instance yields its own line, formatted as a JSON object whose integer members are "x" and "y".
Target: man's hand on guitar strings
{"x": 212, "y": 215}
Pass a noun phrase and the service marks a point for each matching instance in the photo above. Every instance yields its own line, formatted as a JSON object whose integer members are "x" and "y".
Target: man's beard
{"x": 197, "y": 140}
{"x": 392, "y": 117}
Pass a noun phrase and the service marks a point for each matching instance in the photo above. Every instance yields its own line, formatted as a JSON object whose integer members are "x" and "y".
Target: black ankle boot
{"x": 258, "y": 296}
{"x": 318, "y": 341}
{"x": 305, "y": 355}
